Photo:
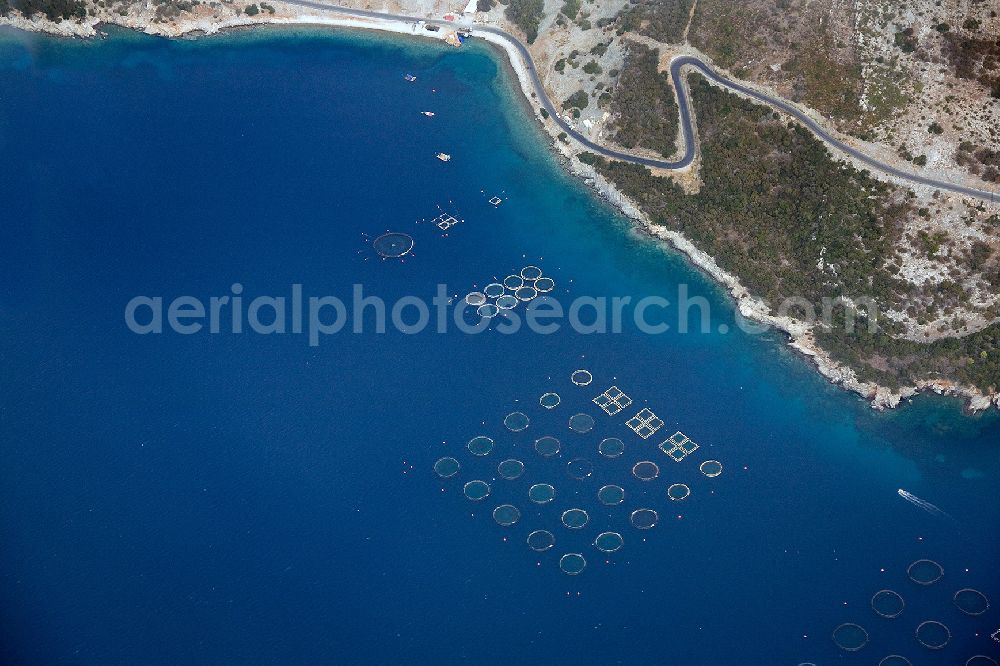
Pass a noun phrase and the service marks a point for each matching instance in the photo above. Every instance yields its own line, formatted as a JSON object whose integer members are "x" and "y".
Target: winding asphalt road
{"x": 687, "y": 129}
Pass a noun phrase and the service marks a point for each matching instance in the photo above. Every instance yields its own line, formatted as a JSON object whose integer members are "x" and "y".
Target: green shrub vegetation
{"x": 774, "y": 206}
{"x": 644, "y": 103}
{"x": 570, "y": 8}
{"x": 577, "y": 100}
{"x": 592, "y": 67}
{"x": 663, "y": 20}
{"x": 54, "y": 10}
{"x": 526, "y": 14}
{"x": 975, "y": 58}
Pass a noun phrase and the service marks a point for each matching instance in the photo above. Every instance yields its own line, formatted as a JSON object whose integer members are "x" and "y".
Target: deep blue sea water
{"x": 223, "y": 498}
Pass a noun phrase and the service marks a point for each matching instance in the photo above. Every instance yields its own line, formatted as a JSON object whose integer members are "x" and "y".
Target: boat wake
{"x": 923, "y": 504}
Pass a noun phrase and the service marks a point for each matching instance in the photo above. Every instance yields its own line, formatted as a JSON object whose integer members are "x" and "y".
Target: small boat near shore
{"x": 429, "y": 114}
{"x": 444, "y": 157}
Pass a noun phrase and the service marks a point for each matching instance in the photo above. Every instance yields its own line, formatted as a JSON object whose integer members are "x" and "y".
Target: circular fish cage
{"x": 644, "y": 519}
{"x": 579, "y": 468}
{"x": 513, "y": 282}
{"x": 971, "y": 602}
{"x": 547, "y": 446}
{"x": 575, "y": 519}
{"x": 475, "y": 298}
{"x": 581, "y": 377}
{"x": 476, "y": 490}
{"x": 510, "y": 469}
{"x": 932, "y": 634}
{"x": 887, "y": 604}
{"x": 608, "y": 542}
{"x": 545, "y": 285}
{"x": 980, "y": 660}
{"x": 525, "y": 293}
{"x": 850, "y": 637}
{"x": 541, "y": 540}
{"x": 393, "y": 245}
{"x": 645, "y": 470}
{"x": 549, "y": 400}
{"x": 480, "y": 445}
{"x": 516, "y": 421}
{"x": 572, "y": 563}
{"x": 447, "y": 467}
{"x": 710, "y": 468}
{"x": 531, "y": 273}
{"x": 678, "y": 492}
{"x": 487, "y": 311}
{"x": 611, "y": 495}
{"x": 541, "y": 493}
{"x": 506, "y": 515}
{"x": 493, "y": 290}
{"x": 581, "y": 423}
{"x": 925, "y": 572}
{"x": 507, "y": 302}
{"x": 895, "y": 660}
{"x": 612, "y": 447}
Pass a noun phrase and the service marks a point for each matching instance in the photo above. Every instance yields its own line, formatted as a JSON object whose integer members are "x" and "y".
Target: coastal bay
{"x": 243, "y": 491}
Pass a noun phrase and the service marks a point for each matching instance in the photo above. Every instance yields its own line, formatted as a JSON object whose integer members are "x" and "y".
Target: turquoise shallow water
{"x": 224, "y": 497}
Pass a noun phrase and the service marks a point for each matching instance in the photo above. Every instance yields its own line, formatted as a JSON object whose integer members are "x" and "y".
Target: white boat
{"x": 429, "y": 114}
{"x": 444, "y": 157}
{"x": 410, "y": 77}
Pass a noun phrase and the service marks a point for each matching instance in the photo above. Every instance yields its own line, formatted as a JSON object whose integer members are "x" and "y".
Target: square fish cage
{"x": 612, "y": 401}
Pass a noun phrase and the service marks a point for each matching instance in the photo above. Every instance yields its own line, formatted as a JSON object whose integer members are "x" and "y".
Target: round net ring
{"x": 710, "y": 468}
{"x": 447, "y": 467}
{"x": 575, "y": 519}
{"x": 611, "y": 495}
{"x": 525, "y": 294}
{"x": 541, "y": 540}
{"x": 925, "y": 572}
{"x": 487, "y": 311}
{"x": 549, "y": 400}
{"x": 547, "y": 446}
{"x": 678, "y": 491}
{"x": 572, "y": 563}
{"x": 493, "y": 290}
{"x": 850, "y": 637}
{"x": 507, "y": 302}
{"x": 506, "y": 515}
{"x": 611, "y": 447}
{"x": 608, "y": 542}
{"x": 932, "y": 634}
{"x": 645, "y": 470}
{"x": 895, "y": 660}
{"x": 531, "y": 273}
{"x": 644, "y": 519}
{"x": 480, "y": 445}
{"x": 542, "y": 493}
{"x": 545, "y": 284}
{"x": 980, "y": 660}
{"x": 475, "y": 298}
{"x": 516, "y": 421}
{"x": 970, "y": 601}
{"x": 392, "y": 245}
{"x": 581, "y": 377}
{"x": 579, "y": 468}
{"x": 581, "y": 423}
{"x": 513, "y": 282}
{"x": 510, "y": 469}
{"x": 888, "y": 604}
{"x": 476, "y": 490}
